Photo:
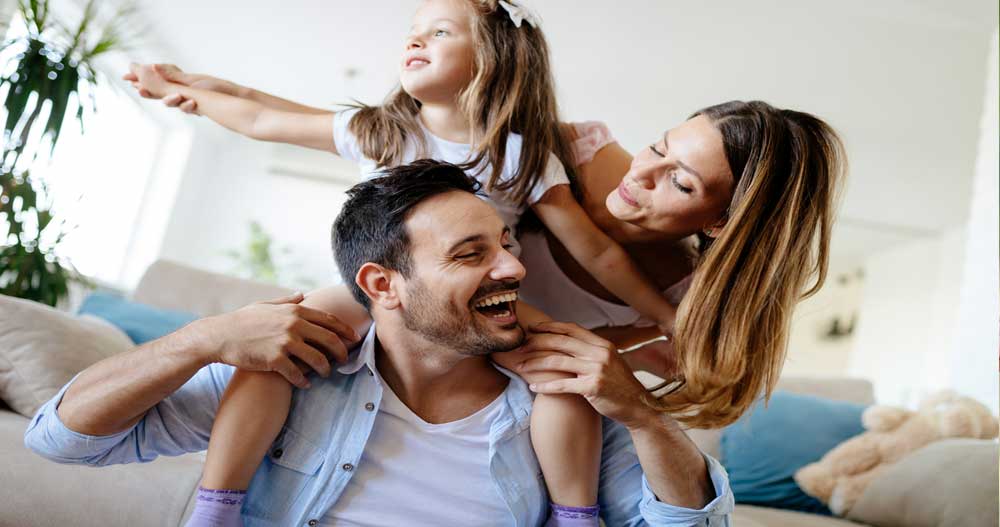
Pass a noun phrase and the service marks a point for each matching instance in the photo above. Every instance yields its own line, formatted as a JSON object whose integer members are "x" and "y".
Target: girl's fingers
{"x": 189, "y": 106}
{"x": 173, "y": 100}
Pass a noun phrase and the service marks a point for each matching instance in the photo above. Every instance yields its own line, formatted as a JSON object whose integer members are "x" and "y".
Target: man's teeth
{"x": 498, "y": 299}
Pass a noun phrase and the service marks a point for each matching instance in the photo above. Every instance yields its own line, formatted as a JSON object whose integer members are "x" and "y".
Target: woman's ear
{"x": 714, "y": 230}
{"x": 377, "y": 282}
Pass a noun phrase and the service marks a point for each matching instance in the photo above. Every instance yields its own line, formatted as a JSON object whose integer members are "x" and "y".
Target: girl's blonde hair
{"x": 512, "y": 90}
{"x": 732, "y": 325}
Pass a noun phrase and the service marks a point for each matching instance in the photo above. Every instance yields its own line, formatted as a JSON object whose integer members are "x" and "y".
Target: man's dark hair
{"x": 370, "y": 227}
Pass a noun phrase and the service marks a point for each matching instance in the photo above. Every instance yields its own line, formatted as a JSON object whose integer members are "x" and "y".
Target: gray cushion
{"x": 751, "y": 516}
{"x": 41, "y": 349}
{"x": 39, "y": 493}
{"x": 945, "y": 484}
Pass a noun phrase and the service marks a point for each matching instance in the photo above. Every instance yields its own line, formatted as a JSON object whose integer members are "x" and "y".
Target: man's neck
{"x": 446, "y": 121}
{"x": 437, "y": 384}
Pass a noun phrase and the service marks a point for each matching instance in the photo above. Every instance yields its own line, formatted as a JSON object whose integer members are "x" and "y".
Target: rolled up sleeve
{"x": 715, "y": 514}
{"x": 179, "y": 424}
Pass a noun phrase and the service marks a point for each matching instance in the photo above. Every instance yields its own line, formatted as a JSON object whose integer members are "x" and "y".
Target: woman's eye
{"x": 655, "y": 151}
{"x": 680, "y": 187}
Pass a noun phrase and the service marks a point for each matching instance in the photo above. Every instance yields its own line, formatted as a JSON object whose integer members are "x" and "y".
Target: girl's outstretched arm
{"x": 601, "y": 256}
{"x": 245, "y": 116}
{"x": 172, "y": 73}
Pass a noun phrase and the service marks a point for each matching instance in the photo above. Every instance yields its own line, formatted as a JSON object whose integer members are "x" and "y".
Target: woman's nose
{"x": 645, "y": 176}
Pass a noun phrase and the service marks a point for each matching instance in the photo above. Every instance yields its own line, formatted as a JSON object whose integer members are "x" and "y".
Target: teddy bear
{"x": 841, "y": 476}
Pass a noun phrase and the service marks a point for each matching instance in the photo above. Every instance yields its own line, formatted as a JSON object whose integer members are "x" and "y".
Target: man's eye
{"x": 508, "y": 246}
{"x": 466, "y": 256}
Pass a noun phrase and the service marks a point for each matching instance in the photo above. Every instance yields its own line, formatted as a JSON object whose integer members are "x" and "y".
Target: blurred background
{"x": 912, "y": 299}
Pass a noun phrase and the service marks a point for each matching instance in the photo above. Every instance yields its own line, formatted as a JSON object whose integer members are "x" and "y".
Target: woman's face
{"x": 679, "y": 185}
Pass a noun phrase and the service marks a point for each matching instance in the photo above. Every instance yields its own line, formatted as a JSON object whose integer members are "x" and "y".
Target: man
{"x": 417, "y": 426}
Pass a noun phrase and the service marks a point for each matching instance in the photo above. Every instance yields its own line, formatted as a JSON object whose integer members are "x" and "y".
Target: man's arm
{"x": 130, "y": 394}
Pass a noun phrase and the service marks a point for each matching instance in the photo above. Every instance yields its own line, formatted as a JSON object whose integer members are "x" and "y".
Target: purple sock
{"x": 217, "y": 508}
{"x": 563, "y": 516}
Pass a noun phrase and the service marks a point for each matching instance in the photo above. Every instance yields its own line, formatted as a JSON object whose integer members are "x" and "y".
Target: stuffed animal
{"x": 841, "y": 476}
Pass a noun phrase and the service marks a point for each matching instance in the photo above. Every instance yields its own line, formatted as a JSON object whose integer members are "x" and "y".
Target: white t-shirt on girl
{"x": 442, "y": 150}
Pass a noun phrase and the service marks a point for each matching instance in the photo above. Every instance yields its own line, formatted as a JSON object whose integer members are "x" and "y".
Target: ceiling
{"x": 902, "y": 81}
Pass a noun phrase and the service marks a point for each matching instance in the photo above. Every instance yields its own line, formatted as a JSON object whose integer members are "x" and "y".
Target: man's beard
{"x": 459, "y": 329}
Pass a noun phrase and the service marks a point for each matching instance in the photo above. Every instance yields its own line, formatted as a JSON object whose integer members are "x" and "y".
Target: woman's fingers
{"x": 572, "y": 330}
{"x": 559, "y": 362}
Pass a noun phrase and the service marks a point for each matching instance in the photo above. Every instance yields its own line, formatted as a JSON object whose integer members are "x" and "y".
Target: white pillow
{"x": 41, "y": 349}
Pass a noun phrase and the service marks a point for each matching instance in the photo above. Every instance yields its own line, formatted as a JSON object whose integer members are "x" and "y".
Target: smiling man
{"x": 418, "y": 426}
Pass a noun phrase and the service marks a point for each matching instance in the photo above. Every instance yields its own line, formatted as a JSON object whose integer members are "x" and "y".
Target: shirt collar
{"x": 363, "y": 355}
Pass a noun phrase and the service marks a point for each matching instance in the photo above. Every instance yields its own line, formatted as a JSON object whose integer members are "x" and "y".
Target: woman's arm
{"x": 601, "y": 256}
{"x": 246, "y": 116}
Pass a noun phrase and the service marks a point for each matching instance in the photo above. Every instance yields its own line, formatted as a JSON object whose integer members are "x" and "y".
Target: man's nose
{"x": 507, "y": 267}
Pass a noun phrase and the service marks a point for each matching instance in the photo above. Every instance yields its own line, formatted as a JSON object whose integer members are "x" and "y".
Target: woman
{"x": 742, "y": 194}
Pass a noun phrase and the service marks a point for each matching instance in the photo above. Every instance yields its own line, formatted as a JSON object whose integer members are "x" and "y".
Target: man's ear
{"x": 377, "y": 282}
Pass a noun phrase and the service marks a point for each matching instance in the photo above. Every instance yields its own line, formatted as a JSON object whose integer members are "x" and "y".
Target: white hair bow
{"x": 519, "y": 13}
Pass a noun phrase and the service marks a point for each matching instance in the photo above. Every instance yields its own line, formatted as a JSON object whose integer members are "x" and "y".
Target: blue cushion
{"x": 764, "y": 449}
{"x": 142, "y": 323}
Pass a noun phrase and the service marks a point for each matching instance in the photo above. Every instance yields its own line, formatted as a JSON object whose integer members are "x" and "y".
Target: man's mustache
{"x": 495, "y": 287}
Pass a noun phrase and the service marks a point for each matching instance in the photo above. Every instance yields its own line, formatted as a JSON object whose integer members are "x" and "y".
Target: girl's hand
{"x": 173, "y": 74}
{"x": 146, "y": 80}
{"x": 597, "y": 372}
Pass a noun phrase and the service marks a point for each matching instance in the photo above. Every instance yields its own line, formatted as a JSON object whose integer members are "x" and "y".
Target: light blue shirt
{"x": 312, "y": 460}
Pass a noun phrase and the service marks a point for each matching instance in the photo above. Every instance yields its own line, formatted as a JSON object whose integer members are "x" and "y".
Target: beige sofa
{"x": 36, "y": 492}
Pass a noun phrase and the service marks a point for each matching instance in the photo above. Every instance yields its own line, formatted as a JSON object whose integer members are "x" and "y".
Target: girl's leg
{"x": 566, "y": 435}
{"x": 251, "y": 414}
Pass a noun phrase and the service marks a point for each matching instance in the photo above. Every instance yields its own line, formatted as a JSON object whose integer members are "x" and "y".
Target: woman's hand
{"x": 657, "y": 357}
{"x": 595, "y": 368}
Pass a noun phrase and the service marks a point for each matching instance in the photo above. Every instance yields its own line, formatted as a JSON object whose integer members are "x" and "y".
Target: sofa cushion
{"x": 142, "y": 323}
{"x": 946, "y": 483}
{"x": 766, "y": 446}
{"x": 41, "y": 349}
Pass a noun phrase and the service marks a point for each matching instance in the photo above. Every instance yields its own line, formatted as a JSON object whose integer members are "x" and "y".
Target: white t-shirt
{"x": 416, "y": 473}
{"x": 442, "y": 150}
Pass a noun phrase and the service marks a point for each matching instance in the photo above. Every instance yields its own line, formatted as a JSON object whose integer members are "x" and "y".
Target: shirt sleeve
{"x": 626, "y": 498}
{"x": 555, "y": 174}
{"x": 179, "y": 424}
{"x": 343, "y": 140}
{"x": 591, "y": 136}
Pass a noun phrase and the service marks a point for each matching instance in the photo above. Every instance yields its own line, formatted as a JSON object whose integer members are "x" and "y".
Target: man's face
{"x": 462, "y": 290}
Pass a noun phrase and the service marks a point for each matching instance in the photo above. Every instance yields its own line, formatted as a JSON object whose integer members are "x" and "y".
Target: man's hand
{"x": 278, "y": 336}
{"x": 600, "y": 374}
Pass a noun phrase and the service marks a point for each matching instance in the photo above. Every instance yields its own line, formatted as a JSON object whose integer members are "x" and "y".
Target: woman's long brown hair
{"x": 512, "y": 91}
{"x": 773, "y": 251}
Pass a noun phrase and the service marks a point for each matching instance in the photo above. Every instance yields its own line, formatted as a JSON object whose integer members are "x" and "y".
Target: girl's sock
{"x": 563, "y": 516}
{"x": 217, "y": 508}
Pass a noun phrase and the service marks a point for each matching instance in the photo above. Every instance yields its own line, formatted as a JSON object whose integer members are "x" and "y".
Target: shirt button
{"x": 277, "y": 453}
{"x": 313, "y": 523}
{"x": 369, "y": 406}
{"x": 348, "y": 467}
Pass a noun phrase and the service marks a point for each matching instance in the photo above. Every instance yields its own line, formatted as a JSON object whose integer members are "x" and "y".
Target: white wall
{"x": 930, "y": 317}
{"x": 974, "y": 361}
{"x": 904, "y": 320}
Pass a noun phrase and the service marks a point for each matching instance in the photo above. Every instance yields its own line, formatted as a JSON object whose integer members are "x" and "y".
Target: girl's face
{"x": 438, "y": 60}
{"x": 679, "y": 185}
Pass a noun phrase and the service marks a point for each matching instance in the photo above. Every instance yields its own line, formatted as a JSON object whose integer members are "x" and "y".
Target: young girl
{"x": 476, "y": 90}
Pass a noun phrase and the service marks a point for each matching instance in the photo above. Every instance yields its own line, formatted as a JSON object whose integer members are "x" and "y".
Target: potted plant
{"x": 50, "y": 69}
